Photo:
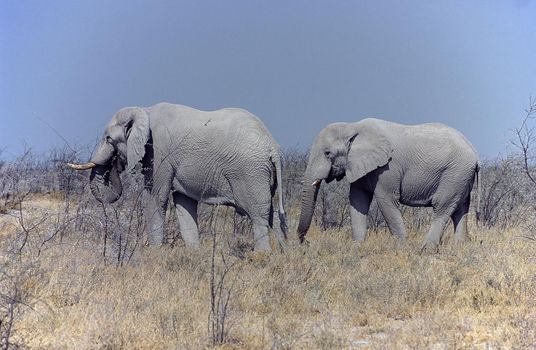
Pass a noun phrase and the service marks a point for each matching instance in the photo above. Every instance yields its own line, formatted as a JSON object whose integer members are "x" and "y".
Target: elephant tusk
{"x": 316, "y": 182}
{"x": 81, "y": 166}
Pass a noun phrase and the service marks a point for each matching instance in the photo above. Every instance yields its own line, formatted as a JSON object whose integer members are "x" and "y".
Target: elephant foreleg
{"x": 186, "y": 209}
{"x": 359, "y": 208}
{"x": 155, "y": 211}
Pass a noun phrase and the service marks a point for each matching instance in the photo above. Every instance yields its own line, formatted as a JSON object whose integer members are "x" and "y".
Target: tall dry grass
{"x": 329, "y": 294}
{"x": 75, "y": 274}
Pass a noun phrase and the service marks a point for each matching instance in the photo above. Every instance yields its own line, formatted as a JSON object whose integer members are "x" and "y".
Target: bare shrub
{"x": 15, "y": 298}
{"x": 333, "y": 206}
{"x": 506, "y": 194}
{"x": 122, "y": 223}
{"x": 223, "y": 277}
{"x": 17, "y": 180}
{"x": 294, "y": 163}
{"x": 525, "y": 140}
{"x": 32, "y": 173}
{"x": 68, "y": 181}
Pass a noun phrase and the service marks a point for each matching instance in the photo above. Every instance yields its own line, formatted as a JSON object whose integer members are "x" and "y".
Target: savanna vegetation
{"x": 77, "y": 274}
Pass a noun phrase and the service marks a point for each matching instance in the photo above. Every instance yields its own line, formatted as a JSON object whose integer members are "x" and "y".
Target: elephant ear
{"x": 138, "y": 133}
{"x": 369, "y": 149}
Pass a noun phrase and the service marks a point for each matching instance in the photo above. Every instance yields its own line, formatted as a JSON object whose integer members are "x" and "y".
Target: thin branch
{"x": 56, "y": 132}
{"x": 525, "y": 139}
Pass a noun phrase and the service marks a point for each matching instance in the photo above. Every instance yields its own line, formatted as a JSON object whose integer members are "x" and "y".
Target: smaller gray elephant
{"x": 427, "y": 165}
{"x": 221, "y": 157}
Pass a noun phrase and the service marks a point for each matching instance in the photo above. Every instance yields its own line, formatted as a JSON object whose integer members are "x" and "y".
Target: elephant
{"x": 223, "y": 157}
{"x": 425, "y": 165}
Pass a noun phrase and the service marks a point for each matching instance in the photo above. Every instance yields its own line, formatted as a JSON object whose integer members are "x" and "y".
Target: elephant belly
{"x": 204, "y": 189}
{"x": 417, "y": 189}
{"x": 416, "y": 201}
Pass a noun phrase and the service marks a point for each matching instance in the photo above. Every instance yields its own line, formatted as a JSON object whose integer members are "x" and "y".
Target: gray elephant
{"x": 221, "y": 157}
{"x": 426, "y": 165}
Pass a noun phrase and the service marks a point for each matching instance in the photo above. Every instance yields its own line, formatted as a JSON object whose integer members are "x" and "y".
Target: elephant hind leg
{"x": 254, "y": 198}
{"x": 186, "y": 209}
{"x": 459, "y": 219}
{"x": 260, "y": 234}
{"x": 261, "y": 216}
{"x": 279, "y": 228}
{"x": 435, "y": 234}
{"x": 439, "y": 222}
{"x": 392, "y": 215}
{"x": 447, "y": 203}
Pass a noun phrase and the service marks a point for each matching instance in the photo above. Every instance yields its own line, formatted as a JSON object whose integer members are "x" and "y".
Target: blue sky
{"x": 298, "y": 65}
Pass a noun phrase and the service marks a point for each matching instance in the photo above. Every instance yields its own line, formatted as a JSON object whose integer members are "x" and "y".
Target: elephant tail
{"x": 276, "y": 160}
{"x": 478, "y": 192}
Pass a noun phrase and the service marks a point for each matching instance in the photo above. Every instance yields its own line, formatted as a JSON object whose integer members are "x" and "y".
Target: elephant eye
{"x": 327, "y": 153}
{"x": 109, "y": 140}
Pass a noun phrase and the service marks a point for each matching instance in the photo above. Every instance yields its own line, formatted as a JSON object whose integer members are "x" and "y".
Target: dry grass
{"x": 327, "y": 295}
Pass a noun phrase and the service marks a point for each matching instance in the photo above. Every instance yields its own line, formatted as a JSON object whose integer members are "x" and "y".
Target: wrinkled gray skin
{"x": 221, "y": 157}
{"x": 427, "y": 165}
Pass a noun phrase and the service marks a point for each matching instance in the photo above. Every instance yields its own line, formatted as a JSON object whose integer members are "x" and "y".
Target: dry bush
{"x": 16, "y": 296}
{"x": 294, "y": 164}
{"x": 507, "y": 195}
{"x": 31, "y": 173}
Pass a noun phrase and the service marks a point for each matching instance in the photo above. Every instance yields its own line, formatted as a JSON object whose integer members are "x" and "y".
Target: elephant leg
{"x": 155, "y": 211}
{"x": 393, "y": 217}
{"x": 260, "y": 234}
{"x": 439, "y": 222}
{"x": 260, "y": 215}
{"x": 435, "y": 234}
{"x": 280, "y": 234}
{"x": 445, "y": 204}
{"x": 359, "y": 206}
{"x": 459, "y": 219}
{"x": 255, "y": 198}
{"x": 186, "y": 209}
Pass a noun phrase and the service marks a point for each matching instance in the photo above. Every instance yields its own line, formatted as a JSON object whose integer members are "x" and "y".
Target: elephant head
{"x": 122, "y": 146}
{"x": 341, "y": 149}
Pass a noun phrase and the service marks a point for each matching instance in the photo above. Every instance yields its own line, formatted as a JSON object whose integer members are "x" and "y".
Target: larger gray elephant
{"x": 427, "y": 165}
{"x": 221, "y": 157}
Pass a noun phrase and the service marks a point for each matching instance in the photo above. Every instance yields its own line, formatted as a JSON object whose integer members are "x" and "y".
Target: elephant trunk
{"x": 105, "y": 183}
{"x": 308, "y": 200}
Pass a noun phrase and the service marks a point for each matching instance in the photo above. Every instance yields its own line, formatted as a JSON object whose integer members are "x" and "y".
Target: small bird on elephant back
{"x": 426, "y": 165}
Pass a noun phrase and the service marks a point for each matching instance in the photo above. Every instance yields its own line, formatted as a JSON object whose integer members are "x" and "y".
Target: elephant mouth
{"x": 336, "y": 173}
{"x": 119, "y": 162}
